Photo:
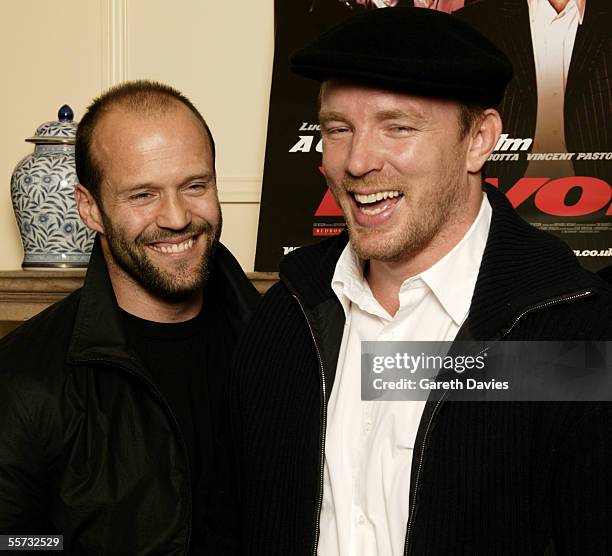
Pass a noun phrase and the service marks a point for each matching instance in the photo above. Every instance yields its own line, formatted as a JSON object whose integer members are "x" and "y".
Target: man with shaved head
{"x": 111, "y": 400}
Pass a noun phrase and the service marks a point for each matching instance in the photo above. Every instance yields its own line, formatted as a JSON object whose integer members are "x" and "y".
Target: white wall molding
{"x": 239, "y": 189}
{"x": 114, "y": 19}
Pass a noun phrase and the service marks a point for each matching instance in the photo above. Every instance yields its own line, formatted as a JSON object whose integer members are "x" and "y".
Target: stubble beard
{"x": 131, "y": 256}
{"x": 428, "y": 216}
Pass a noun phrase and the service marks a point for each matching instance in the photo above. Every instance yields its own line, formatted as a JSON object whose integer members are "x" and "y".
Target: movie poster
{"x": 553, "y": 160}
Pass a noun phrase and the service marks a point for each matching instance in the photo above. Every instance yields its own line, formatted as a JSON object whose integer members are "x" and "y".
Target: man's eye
{"x": 336, "y": 130}
{"x": 197, "y": 187}
{"x": 401, "y": 129}
{"x": 140, "y": 196}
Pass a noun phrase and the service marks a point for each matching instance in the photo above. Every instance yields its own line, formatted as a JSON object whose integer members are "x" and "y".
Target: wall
{"x": 219, "y": 53}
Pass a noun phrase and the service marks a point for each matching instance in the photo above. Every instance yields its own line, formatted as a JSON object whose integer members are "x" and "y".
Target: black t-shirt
{"x": 188, "y": 362}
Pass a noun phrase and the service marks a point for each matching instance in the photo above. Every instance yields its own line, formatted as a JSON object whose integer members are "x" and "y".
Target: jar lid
{"x": 60, "y": 131}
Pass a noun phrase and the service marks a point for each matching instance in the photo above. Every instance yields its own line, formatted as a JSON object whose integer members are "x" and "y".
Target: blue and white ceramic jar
{"x": 42, "y": 190}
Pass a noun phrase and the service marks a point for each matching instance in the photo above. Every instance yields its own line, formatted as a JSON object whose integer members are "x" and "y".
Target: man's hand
{"x": 378, "y": 3}
{"x": 374, "y": 3}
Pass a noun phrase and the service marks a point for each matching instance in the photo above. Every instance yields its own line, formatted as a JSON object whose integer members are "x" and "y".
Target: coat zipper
{"x": 418, "y": 473}
{"x": 321, "y": 432}
{"x": 549, "y": 303}
{"x": 434, "y": 413}
{"x": 160, "y": 397}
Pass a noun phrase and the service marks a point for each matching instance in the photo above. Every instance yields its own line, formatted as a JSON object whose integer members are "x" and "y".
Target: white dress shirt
{"x": 369, "y": 445}
{"x": 552, "y": 36}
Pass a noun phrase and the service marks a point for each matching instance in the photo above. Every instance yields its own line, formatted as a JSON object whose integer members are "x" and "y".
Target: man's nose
{"x": 174, "y": 213}
{"x": 364, "y": 155}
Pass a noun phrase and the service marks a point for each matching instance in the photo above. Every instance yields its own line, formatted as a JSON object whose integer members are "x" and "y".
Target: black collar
{"x": 98, "y": 333}
{"x": 521, "y": 267}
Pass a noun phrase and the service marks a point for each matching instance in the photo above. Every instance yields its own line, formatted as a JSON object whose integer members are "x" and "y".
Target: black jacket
{"x": 88, "y": 446}
{"x": 491, "y": 478}
{"x": 588, "y": 91}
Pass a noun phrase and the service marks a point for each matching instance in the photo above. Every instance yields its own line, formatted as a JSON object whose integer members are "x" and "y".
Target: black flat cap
{"x": 416, "y": 50}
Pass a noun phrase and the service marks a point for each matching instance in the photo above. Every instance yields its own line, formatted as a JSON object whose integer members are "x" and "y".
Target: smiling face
{"x": 396, "y": 164}
{"x": 159, "y": 209}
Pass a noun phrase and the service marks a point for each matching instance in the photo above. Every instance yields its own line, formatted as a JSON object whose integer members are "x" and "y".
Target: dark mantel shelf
{"x": 24, "y": 293}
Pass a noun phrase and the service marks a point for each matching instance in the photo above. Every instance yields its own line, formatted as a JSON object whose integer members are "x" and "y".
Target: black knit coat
{"x": 501, "y": 478}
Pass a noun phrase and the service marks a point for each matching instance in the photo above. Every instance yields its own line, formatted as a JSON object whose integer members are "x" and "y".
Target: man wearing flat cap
{"x": 407, "y": 113}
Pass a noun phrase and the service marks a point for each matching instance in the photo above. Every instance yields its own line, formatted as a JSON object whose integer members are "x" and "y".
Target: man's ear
{"x": 483, "y": 139}
{"x": 88, "y": 209}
